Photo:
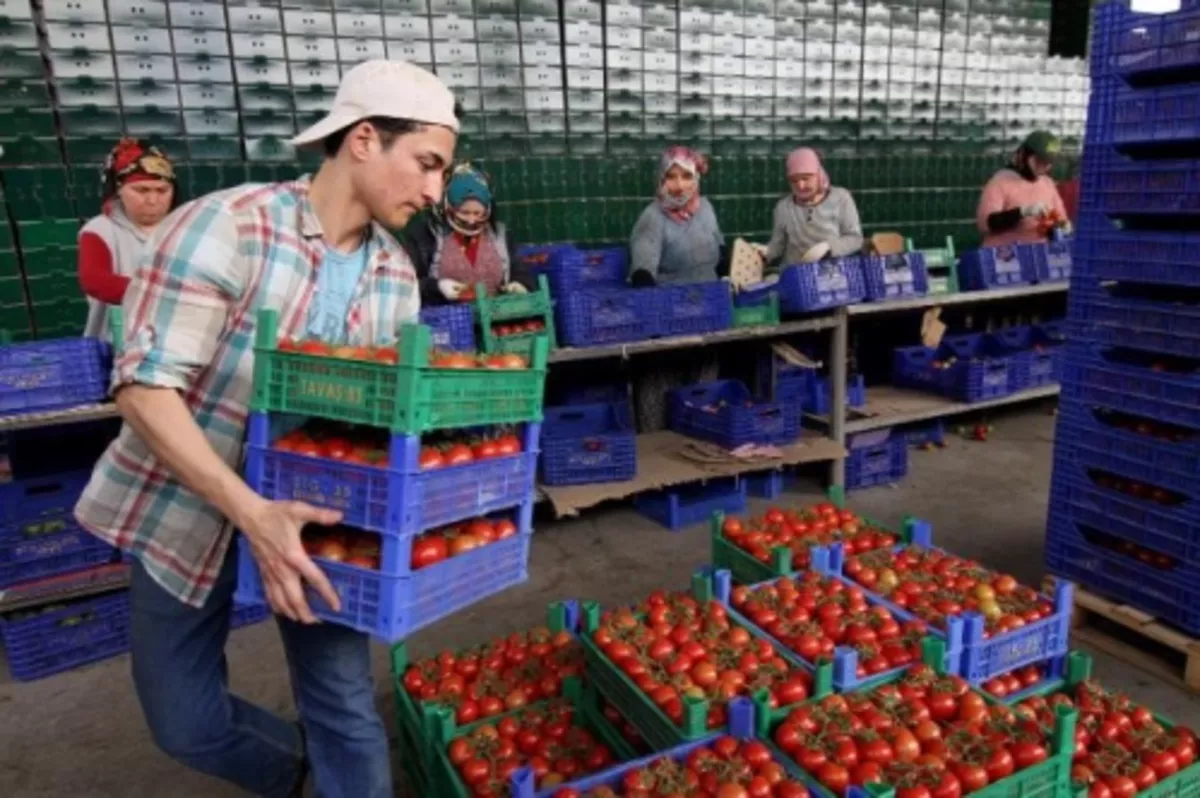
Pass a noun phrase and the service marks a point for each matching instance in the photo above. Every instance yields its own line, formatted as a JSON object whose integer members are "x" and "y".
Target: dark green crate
{"x": 88, "y": 151}
{"x": 49, "y": 233}
{"x": 52, "y": 286}
{"x": 72, "y": 329}
{"x": 22, "y": 64}
{"x": 27, "y": 150}
{"x": 15, "y": 318}
{"x": 59, "y": 313}
{"x": 214, "y": 148}
{"x": 28, "y": 121}
{"x": 12, "y": 290}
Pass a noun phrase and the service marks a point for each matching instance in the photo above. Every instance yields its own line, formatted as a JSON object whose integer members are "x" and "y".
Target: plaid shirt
{"x": 190, "y": 316}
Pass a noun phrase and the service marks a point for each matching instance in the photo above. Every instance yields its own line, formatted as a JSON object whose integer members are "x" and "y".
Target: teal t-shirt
{"x": 336, "y": 280}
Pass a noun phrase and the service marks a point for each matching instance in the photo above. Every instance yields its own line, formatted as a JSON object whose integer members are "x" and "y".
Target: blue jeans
{"x": 181, "y": 677}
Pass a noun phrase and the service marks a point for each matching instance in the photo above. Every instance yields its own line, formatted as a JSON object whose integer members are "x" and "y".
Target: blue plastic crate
{"x": 1110, "y": 320}
{"x": 876, "y": 463}
{"x": 819, "y": 392}
{"x": 1121, "y": 578}
{"x": 969, "y": 368}
{"x": 588, "y": 443}
{"x": 1139, "y": 188}
{"x": 1091, "y": 380}
{"x": 1034, "y": 357}
{"x": 1051, "y": 260}
{"x": 540, "y": 259}
{"x": 594, "y": 316}
{"x": 808, "y": 287}
{"x": 47, "y": 375}
{"x": 684, "y": 505}
{"x": 692, "y": 308}
{"x": 398, "y": 501}
{"x": 582, "y": 268}
{"x": 1141, "y": 256}
{"x": 1153, "y": 115}
{"x": 1096, "y": 455}
{"x": 1141, "y": 44}
{"x": 725, "y": 413}
{"x": 595, "y": 394}
{"x": 764, "y": 484}
{"x": 64, "y": 638}
{"x": 392, "y": 608}
{"x": 895, "y": 276}
{"x": 48, "y": 547}
{"x": 452, "y": 326}
{"x": 926, "y": 434}
{"x": 248, "y": 615}
{"x": 981, "y": 657}
{"x": 995, "y": 267}
{"x": 1105, "y": 435}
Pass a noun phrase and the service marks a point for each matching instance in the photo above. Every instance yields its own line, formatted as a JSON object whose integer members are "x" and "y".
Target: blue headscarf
{"x": 468, "y": 182}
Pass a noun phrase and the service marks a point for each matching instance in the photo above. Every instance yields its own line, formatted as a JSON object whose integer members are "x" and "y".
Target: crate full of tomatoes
{"x": 482, "y": 682}
{"x": 1122, "y": 748}
{"x": 921, "y": 735}
{"x": 997, "y": 624}
{"x": 408, "y": 388}
{"x": 554, "y": 740}
{"x": 515, "y": 322}
{"x": 778, "y": 542}
{"x": 733, "y": 764}
{"x": 393, "y": 484}
{"x": 814, "y": 617}
{"x": 391, "y": 587}
{"x": 671, "y": 664}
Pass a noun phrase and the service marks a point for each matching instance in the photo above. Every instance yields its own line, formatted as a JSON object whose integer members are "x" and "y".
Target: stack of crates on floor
{"x": 1122, "y": 520}
{"x": 425, "y": 531}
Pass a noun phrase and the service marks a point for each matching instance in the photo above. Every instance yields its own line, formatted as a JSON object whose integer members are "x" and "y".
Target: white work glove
{"x": 451, "y": 289}
{"x": 514, "y": 288}
{"x": 1036, "y": 210}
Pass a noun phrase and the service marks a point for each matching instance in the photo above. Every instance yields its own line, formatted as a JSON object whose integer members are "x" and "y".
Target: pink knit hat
{"x": 805, "y": 161}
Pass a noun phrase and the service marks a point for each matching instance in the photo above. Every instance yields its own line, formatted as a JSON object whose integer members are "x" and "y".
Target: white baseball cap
{"x": 393, "y": 89}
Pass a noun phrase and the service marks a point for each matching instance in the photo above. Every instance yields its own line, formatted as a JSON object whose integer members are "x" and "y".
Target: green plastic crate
{"x": 53, "y": 286}
{"x": 411, "y": 397}
{"x": 510, "y": 307}
{"x": 757, "y": 316}
{"x": 66, "y": 330}
{"x": 16, "y": 319}
{"x": 12, "y": 291}
{"x": 49, "y": 232}
{"x": 20, "y": 150}
{"x": 59, "y": 313}
{"x": 415, "y": 741}
{"x": 50, "y": 260}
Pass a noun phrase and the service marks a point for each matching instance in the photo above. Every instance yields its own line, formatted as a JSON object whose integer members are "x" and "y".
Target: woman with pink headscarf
{"x": 816, "y": 220}
{"x": 677, "y": 238}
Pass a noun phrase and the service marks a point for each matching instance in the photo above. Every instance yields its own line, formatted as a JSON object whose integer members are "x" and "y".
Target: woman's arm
{"x": 991, "y": 216}
{"x": 850, "y": 235}
{"x": 778, "y": 243}
{"x": 97, "y": 270}
{"x": 645, "y": 248}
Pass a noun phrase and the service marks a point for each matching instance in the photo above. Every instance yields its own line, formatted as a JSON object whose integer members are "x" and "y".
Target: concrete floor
{"x": 82, "y": 733}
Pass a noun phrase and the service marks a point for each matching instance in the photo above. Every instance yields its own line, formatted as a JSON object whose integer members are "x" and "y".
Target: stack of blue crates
{"x": 1127, "y": 448}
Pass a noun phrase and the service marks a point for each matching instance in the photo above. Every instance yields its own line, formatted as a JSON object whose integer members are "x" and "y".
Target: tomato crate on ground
{"x": 808, "y": 287}
{"x": 683, "y": 505}
{"x": 451, "y": 326}
{"x": 895, "y": 276}
{"x": 588, "y": 443}
{"x": 1051, "y": 260}
{"x": 1047, "y": 778}
{"x": 725, "y": 413}
{"x": 691, "y": 308}
{"x": 416, "y": 719}
{"x": 756, "y": 307}
{"x": 741, "y": 728}
{"x": 996, "y": 267}
{"x": 874, "y": 459}
{"x": 392, "y": 607}
{"x": 1154, "y": 322}
{"x": 605, "y": 315}
{"x": 580, "y": 701}
{"x": 411, "y": 397}
{"x": 48, "y": 375}
{"x": 65, "y": 636}
{"x": 983, "y": 654}
{"x": 970, "y": 368}
{"x": 764, "y": 484}
{"x": 698, "y": 716}
{"x": 398, "y": 497}
{"x": 1035, "y": 350}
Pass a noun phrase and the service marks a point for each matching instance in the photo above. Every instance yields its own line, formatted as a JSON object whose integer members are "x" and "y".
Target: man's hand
{"x": 273, "y": 530}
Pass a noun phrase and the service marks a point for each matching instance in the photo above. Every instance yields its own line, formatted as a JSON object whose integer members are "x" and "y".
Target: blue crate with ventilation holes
{"x": 684, "y": 505}
{"x": 809, "y": 287}
{"x": 588, "y": 443}
{"x": 725, "y": 413}
{"x": 452, "y": 326}
{"x": 61, "y": 638}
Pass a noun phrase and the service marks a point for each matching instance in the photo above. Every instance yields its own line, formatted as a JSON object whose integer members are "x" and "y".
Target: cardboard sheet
{"x": 668, "y": 458}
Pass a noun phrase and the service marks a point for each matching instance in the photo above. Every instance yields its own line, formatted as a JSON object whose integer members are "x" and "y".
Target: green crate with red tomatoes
{"x": 558, "y": 740}
{"x": 672, "y": 663}
{"x": 778, "y": 542}
{"x": 515, "y": 322}
{"x": 997, "y": 624}
{"x": 924, "y": 734}
{"x": 1122, "y": 748}
{"x": 407, "y": 388}
{"x": 482, "y": 682}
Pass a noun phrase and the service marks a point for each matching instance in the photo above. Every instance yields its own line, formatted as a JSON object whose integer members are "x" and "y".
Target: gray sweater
{"x": 674, "y": 251}
{"x": 797, "y": 228}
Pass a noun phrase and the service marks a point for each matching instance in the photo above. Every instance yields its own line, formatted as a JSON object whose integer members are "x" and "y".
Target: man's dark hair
{"x": 389, "y": 130}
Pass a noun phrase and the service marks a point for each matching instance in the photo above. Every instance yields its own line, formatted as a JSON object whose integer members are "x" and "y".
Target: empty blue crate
{"x": 1141, "y": 44}
{"x": 969, "y": 368}
{"x": 692, "y": 308}
{"x": 819, "y": 392}
{"x": 1051, "y": 260}
{"x": 47, "y": 375}
{"x": 588, "y": 443}
{"x": 725, "y": 413}
{"x": 1154, "y": 115}
{"x": 1139, "y": 256}
{"x": 995, "y": 267}
{"x": 400, "y": 498}
{"x": 764, "y": 484}
{"x": 685, "y": 505}
{"x": 1033, "y": 356}
{"x": 874, "y": 458}
{"x": 808, "y": 287}
{"x": 895, "y": 276}
{"x": 62, "y": 637}
{"x": 452, "y": 326}
{"x": 1155, "y": 321}
{"x": 1138, "y": 188}
{"x": 595, "y": 316}
{"x": 925, "y": 435}
{"x": 569, "y": 268}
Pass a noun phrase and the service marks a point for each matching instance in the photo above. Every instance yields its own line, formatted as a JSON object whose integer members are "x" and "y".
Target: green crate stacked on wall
{"x": 14, "y": 308}
{"x": 49, "y": 253}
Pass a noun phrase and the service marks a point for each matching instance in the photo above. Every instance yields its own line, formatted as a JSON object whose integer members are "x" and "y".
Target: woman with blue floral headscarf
{"x": 462, "y": 243}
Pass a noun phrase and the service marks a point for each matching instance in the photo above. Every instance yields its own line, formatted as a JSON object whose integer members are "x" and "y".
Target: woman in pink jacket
{"x": 1020, "y": 202}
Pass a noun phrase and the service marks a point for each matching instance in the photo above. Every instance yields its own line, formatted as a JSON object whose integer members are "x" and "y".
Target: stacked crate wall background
{"x": 568, "y": 102}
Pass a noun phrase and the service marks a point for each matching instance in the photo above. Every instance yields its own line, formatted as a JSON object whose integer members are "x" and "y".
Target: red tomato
{"x": 459, "y": 454}
{"x": 431, "y": 457}
{"x": 834, "y": 776}
{"x": 332, "y": 550}
{"x": 428, "y": 550}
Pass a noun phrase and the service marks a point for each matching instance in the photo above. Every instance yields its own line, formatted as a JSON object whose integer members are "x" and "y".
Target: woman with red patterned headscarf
{"x": 139, "y": 192}
{"x": 677, "y": 238}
